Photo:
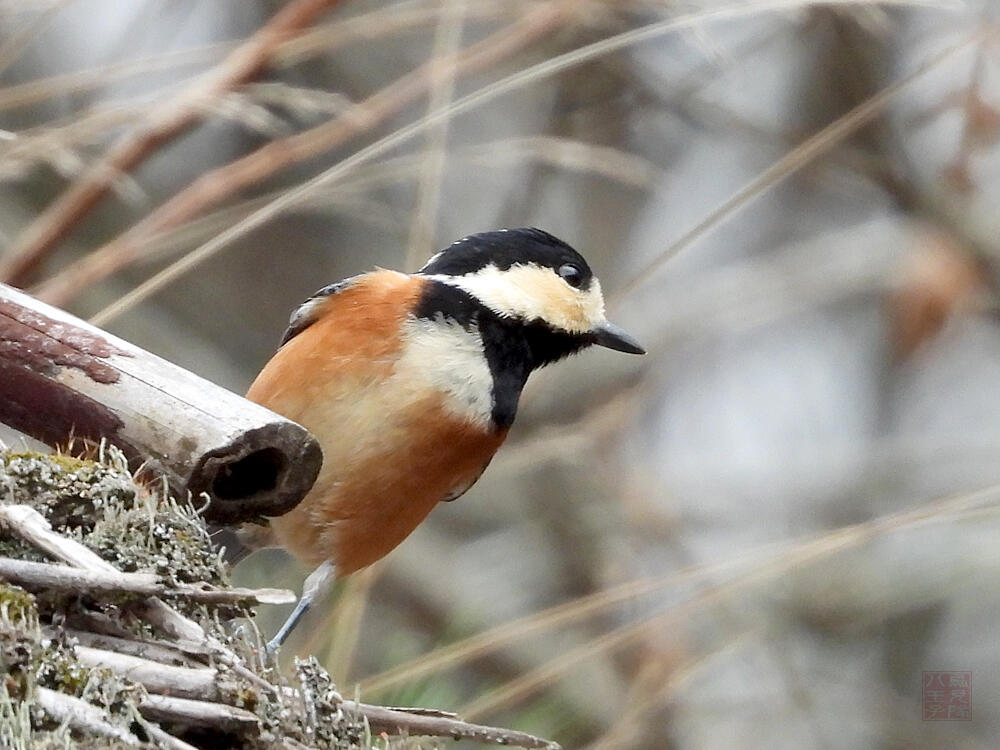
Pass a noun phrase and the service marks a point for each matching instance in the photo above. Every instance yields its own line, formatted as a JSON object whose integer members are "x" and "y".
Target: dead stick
{"x": 201, "y": 683}
{"x": 167, "y": 120}
{"x": 31, "y": 526}
{"x": 62, "y": 377}
{"x": 37, "y": 575}
{"x": 393, "y": 721}
{"x": 206, "y": 684}
{"x": 159, "y": 651}
{"x": 199, "y": 713}
{"x": 216, "y": 185}
{"x": 81, "y": 716}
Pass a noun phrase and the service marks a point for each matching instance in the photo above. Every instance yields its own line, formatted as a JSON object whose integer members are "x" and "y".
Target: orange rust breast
{"x": 391, "y": 450}
{"x": 356, "y": 335}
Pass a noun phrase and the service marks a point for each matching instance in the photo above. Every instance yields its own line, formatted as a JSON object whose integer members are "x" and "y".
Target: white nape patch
{"x": 532, "y": 292}
{"x": 442, "y": 355}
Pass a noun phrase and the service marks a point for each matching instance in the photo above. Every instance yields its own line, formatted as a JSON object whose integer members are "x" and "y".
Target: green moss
{"x": 69, "y": 492}
{"x": 17, "y": 606}
{"x": 20, "y": 639}
{"x": 135, "y": 528}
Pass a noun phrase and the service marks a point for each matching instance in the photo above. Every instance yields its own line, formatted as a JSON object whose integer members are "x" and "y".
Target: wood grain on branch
{"x": 165, "y": 121}
{"x": 197, "y": 713}
{"x": 214, "y": 186}
{"x": 36, "y": 576}
{"x": 32, "y": 527}
{"x": 393, "y": 721}
{"x": 61, "y": 377}
{"x": 197, "y": 683}
{"x": 128, "y": 643}
{"x": 89, "y": 719}
{"x": 82, "y": 716}
{"x": 205, "y": 687}
{"x": 178, "y": 689}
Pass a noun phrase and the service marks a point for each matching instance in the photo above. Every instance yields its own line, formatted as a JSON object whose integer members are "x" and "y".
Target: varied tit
{"x": 410, "y": 383}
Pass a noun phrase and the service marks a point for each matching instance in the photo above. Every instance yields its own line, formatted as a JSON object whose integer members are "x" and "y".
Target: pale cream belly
{"x": 384, "y": 470}
{"x": 401, "y": 408}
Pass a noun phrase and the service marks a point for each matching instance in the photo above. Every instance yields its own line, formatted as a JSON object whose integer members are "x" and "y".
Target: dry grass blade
{"x": 347, "y": 196}
{"x": 367, "y": 26}
{"x": 12, "y": 48}
{"x": 499, "y": 637}
{"x": 164, "y": 122}
{"x": 622, "y": 733}
{"x": 394, "y": 18}
{"x": 447, "y": 39}
{"x": 212, "y": 187}
{"x": 262, "y": 163}
{"x": 32, "y": 92}
{"x": 346, "y": 629}
{"x": 60, "y": 144}
{"x": 763, "y": 562}
{"x": 795, "y": 159}
{"x": 803, "y": 553}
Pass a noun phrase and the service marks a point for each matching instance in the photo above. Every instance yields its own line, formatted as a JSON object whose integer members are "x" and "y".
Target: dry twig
{"x": 40, "y": 576}
{"x": 394, "y": 721}
{"x": 198, "y": 683}
{"x": 198, "y": 713}
{"x": 99, "y": 267}
{"x": 164, "y": 122}
{"x": 203, "y": 688}
{"x": 214, "y": 186}
{"x": 82, "y": 716}
{"x": 31, "y": 526}
{"x": 179, "y": 689}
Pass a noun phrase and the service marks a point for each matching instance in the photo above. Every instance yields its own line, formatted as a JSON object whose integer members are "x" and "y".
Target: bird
{"x": 411, "y": 382}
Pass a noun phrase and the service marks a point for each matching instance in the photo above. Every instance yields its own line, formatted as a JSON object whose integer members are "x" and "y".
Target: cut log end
{"x": 64, "y": 381}
{"x": 264, "y": 473}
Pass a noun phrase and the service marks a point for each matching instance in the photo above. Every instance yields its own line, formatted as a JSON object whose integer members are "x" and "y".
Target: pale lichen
{"x": 135, "y": 527}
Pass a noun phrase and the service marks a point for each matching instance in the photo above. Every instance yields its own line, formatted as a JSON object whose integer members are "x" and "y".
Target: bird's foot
{"x": 315, "y": 586}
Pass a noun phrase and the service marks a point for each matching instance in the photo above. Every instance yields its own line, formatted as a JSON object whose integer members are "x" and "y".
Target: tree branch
{"x": 164, "y": 122}
{"x": 81, "y": 716}
{"x": 213, "y": 187}
{"x": 203, "y": 687}
{"x": 394, "y": 721}
{"x": 36, "y": 576}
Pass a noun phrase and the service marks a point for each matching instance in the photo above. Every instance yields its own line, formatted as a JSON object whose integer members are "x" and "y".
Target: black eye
{"x": 572, "y": 274}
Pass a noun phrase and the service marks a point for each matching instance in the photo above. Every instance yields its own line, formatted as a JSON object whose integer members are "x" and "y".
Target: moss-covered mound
{"x": 61, "y": 651}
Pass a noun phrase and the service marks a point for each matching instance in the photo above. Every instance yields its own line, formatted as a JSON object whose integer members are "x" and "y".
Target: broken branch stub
{"x": 61, "y": 378}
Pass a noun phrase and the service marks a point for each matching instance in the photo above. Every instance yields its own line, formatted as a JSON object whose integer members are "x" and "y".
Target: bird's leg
{"x": 316, "y": 584}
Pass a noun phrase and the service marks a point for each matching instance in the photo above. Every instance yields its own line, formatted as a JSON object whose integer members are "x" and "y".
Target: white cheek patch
{"x": 442, "y": 355}
{"x": 532, "y": 292}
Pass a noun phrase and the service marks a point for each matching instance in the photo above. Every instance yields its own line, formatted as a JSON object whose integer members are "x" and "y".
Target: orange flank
{"x": 391, "y": 451}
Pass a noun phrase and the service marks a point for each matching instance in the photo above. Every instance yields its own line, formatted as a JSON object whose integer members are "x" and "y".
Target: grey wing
{"x": 306, "y": 313}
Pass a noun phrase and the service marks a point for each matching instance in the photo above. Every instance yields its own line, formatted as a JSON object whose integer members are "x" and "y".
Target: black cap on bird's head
{"x": 530, "y": 276}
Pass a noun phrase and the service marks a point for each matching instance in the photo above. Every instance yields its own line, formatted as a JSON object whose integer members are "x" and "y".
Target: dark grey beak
{"x": 613, "y": 337}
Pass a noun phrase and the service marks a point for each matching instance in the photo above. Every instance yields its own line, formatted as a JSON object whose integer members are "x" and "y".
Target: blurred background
{"x": 766, "y": 532}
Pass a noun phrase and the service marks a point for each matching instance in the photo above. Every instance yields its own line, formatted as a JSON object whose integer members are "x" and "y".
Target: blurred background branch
{"x": 738, "y": 541}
